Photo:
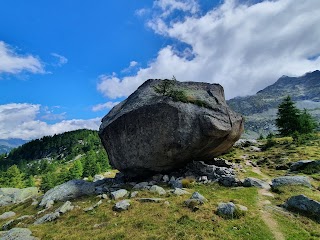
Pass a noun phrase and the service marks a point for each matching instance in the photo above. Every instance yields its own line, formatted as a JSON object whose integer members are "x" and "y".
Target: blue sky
{"x": 64, "y": 64}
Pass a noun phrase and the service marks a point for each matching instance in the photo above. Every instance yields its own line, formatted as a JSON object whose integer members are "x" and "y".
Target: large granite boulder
{"x": 165, "y": 124}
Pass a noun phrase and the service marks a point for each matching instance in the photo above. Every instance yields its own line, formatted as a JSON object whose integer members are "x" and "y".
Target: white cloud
{"x": 61, "y": 59}
{"x": 243, "y": 47}
{"x": 11, "y": 62}
{"x": 103, "y": 106}
{"x": 19, "y": 120}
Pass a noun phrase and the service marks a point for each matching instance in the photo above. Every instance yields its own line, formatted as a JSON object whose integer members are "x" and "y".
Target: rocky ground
{"x": 248, "y": 193}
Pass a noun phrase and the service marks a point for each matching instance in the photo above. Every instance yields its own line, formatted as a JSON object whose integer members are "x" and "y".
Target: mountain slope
{"x": 260, "y": 109}
{"x": 65, "y": 146}
{"x": 7, "y": 144}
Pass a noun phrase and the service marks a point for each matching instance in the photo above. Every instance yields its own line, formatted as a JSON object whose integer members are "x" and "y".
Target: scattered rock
{"x": 7, "y": 215}
{"x": 165, "y": 178}
{"x": 10, "y": 196}
{"x": 93, "y": 206}
{"x": 179, "y": 191}
{"x": 134, "y": 194}
{"x": 14, "y": 222}
{"x": 301, "y": 165}
{"x": 56, "y": 214}
{"x": 18, "y": 234}
{"x": 158, "y": 190}
{"x": 47, "y": 218}
{"x": 98, "y": 177}
{"x": 245, "y": 143}
{"x": 66, "y": 207}
{"x": 305, "y": 205}
{"x": 49, "y": 204}
{"x": 119, "y": 194}
{"x": 166, "y": 203}
{"x": 290, "y": 180}
{"x": 141, "y": 186}
{"x": 230, "y": 210}
{"x": 175, "y": 183}
{"x": 255, "y": 182}
{"x": 195, "y": 200}
{"x": 122, "y": 205}
{"x": 172, "y": 132}
{"x": 230, "y": 181}
{"x": 67, "y": 191}
{"x": 154, "y": 200}
{"x": 254, "y": 149}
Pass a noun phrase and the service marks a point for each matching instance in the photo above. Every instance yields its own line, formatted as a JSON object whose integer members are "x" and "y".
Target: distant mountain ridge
{"x": 6, "y": 145}
{"x": 260, "y": 109}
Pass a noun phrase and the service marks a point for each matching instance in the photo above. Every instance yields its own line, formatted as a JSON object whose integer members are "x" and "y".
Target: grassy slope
{"x": 158, "y": 221}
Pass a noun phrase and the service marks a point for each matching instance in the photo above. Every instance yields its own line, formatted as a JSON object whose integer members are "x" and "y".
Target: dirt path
{"x": 262, "y": 203}
{"x": 267, "y": 216}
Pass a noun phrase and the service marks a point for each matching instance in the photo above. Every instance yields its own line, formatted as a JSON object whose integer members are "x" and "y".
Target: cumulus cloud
{"x": 103, "y": 106}
{"x": 19, "y": 120}
{"x": 13, "y": 63}
{"x": 244, "y": 47}
{"x": 61, "y": 59}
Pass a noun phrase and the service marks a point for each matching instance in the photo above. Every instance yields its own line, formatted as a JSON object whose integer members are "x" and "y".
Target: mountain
{"x": 260, "y": 109}
{"x": 7, "y": 144}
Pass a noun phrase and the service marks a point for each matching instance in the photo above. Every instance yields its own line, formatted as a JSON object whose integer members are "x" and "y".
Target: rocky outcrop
{"x": 18, "y": 234}
{"x": 290, "y": 180}
{"x": 67, "y": 191}
{"x": 255, "y": 182}
{"x": 152, "y": 132}
{"x": 305, "y": 205}
{"x": 10, "y": 196}
{"x": 303, "y": 164}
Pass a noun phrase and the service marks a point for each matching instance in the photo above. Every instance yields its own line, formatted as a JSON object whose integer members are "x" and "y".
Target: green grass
{"x": 176, "y": 221}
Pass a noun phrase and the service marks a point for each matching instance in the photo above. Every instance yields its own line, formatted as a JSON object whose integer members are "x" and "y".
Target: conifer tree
{"x": 287, "y": 117}
{"x": 14, "y": 178}
{"x": 76, "y": 170}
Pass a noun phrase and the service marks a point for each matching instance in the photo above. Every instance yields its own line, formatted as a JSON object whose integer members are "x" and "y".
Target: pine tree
{"x": 287, "y": 117}
{"x": 76, "y": 170}
{"x": 49, "y": 180}
{"x": 14, "y": 178}
{"x": 30, "y": 181}
{"x": 307, "y": 122}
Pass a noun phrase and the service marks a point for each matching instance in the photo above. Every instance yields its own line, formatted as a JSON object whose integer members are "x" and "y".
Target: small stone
{"x": 179, "y": 191}
{"x": 104, "y": 196}
{"x": 122, "y": 205}
{"x": 230, "y": 210}
{"x": 93, "y": 206}
{"x": 255, "y": 182}
{"x": 67, "y": 206}
{"x": 290, "y": 180}
{"x": 47, "y": 218}
{"x": 158, "y": 190}
{"x": 49, "y": 204}
{"x": 119, "y": 194}
{"x": 155, "y": 200}
{"x": 7, "y": 215}
{"x": 134, "y": 194}
{"x": 141, "y": 186}
{"x": 166, "y": 203}
{"x": 166, "y": 178}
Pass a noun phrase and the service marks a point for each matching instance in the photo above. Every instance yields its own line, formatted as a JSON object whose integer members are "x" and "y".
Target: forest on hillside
{"x": 52, "y": 160}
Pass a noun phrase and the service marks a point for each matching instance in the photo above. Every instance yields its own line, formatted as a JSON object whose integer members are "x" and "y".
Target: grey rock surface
{"x": 66, "y": 207}
{"x": 10, "y": 196}
{"x": 7, "y": 215}
{"x": 49, "y": 217}
{"x": 301, "y": 165}
{"x": 150, "y": 133}
{"x": 157, "y": 189}
{"x": 10, "y": 224}
{"x": 255, "y": 182}
{"x": 195, "y": 199}
{"x": 154, "y": 200}
{"x": 121, "y": 193}
{"x": 141, "y": 186}
{"x": 290, "y": 180}
{"x": 67, "y": 191}
{"x": 122, "y": 205}
{"x": 304, "y": 204}
{"x": 18, "y": 234}
{"x": 231, "y": 210}
{"x": 179, "y": 192}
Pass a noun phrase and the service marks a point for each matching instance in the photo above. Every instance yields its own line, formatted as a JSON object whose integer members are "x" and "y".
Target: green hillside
{"x": 54, "y": 159}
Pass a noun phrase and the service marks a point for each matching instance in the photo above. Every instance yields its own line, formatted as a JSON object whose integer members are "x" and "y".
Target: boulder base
{"x": 152, "y": 132}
